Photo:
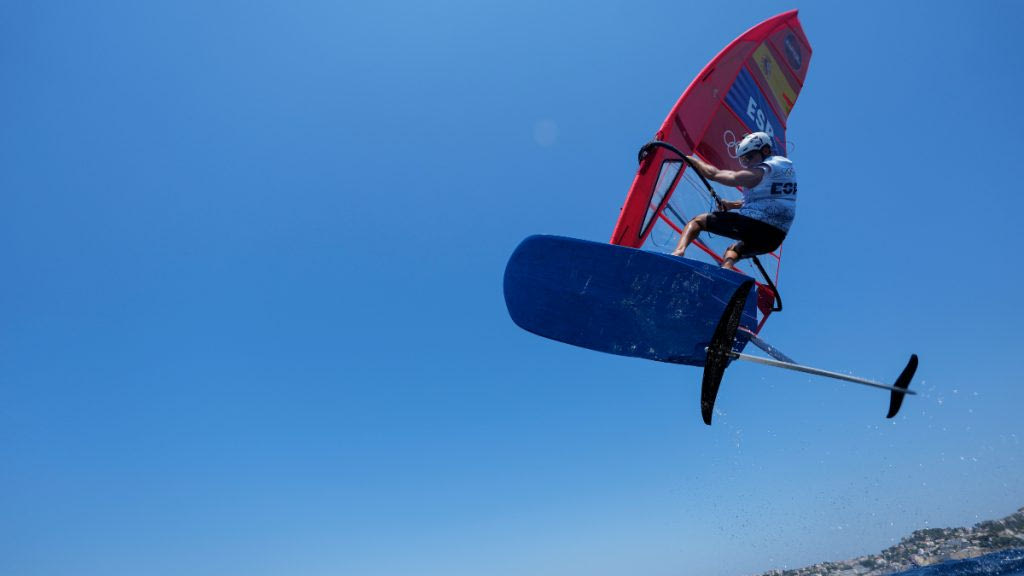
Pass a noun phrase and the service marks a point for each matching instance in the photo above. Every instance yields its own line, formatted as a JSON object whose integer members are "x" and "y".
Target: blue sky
{"x": 252, "y": 310}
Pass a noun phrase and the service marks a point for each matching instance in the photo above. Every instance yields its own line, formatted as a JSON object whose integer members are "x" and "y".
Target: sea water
{"x": 1004, "y": 563}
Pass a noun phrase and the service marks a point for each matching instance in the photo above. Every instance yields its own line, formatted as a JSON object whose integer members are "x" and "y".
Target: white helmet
{"x": 752, "y": 142}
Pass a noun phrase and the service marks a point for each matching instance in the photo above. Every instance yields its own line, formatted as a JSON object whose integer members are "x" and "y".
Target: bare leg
{"x": 731, "y": 256}
{"x": 690, "y": 233}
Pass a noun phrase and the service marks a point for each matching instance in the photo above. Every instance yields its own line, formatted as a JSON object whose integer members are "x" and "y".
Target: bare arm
{"x": 744, "y": 178}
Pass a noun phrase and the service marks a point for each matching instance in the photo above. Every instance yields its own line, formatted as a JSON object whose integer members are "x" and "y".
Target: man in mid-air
{"x": 762, "y": 219}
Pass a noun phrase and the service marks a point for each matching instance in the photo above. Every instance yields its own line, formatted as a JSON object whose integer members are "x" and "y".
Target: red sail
{"x": 750, "y": 86}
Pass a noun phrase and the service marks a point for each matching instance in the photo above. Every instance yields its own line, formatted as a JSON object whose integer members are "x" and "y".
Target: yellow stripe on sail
{"x": 775, "y": 78}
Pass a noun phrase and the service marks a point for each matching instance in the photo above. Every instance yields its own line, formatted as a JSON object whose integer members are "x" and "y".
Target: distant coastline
{"x": 926, "y": 547}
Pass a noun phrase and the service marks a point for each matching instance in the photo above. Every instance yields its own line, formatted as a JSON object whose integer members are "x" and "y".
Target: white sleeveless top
{"x": 773, "y": 200}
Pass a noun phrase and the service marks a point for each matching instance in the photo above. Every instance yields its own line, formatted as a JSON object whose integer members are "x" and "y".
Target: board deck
{"x": 620, "y": 300}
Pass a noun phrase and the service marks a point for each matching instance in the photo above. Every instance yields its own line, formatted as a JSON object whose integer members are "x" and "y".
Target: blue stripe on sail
{"x": 747, "y": 101}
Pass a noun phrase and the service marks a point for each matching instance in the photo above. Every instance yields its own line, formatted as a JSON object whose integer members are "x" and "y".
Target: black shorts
{"x": 755, "y": 237}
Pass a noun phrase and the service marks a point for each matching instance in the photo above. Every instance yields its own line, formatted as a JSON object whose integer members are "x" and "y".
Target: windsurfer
{"x": 762, "y": 218}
